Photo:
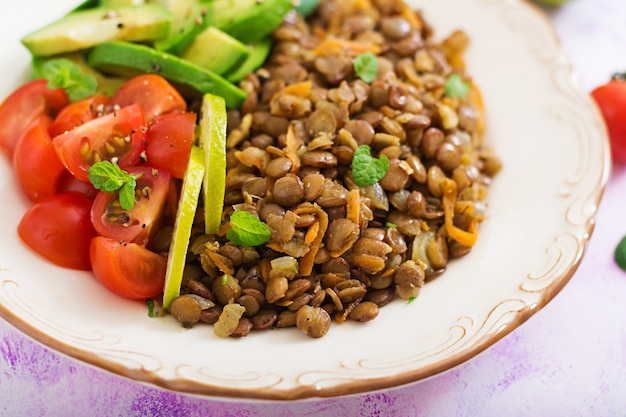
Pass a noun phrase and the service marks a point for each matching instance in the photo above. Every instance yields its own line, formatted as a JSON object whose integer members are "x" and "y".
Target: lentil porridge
{"x": 341, "y": 249}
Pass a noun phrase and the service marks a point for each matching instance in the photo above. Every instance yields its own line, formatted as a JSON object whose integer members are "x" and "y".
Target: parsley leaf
{"x": 247, "y": 229}
{"x": 107, "y": 176}
{"x": 366, "y": 66}
{"x": 367, "y": 170}
{"x": 63, "y": 73}
{"x": 456, "y": 87}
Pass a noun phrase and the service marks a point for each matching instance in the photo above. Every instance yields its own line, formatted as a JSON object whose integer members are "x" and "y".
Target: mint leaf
{"x": 107, "y": 176}
{"x": 366, "y": 67}
{"x": 247, "y": 230}
{"x": 367, "y": 170}
{"x": 456, "y": 87}
{"x": 65, "y": 74}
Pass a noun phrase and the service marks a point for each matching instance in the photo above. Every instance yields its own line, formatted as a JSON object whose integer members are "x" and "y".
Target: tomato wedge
{"x": 36, "y": 163}
{"x": 20, "y": 109}
{"x": 137, "y": 224}
{"x": 169, "y": 139}
{"x": 118, "y": 136}
{"x": 127, "y": 269}
{"x": 153, "y": 92}
{"x": 79, "y": 113}
{"x": 59, "y": 229}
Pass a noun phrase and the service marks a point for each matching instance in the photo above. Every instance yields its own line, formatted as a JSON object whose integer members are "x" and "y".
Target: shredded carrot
{"x": 467, "y": 238}
{"x": 410, "y": 15}
{"x": 341, "y": 46}
{"x": 353, "y": 206}
{"x": 306, "y": 262}
{"x": 301, "y": 89}
{"x": 312, "y": 232}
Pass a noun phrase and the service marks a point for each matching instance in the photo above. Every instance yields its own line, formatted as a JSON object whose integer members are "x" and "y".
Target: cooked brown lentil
{"x": 337, "y": 250}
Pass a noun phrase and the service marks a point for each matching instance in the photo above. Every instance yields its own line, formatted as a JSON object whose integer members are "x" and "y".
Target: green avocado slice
{"x": 127, "y": 59}
{"x": 85, "y": 28}
{"x": 249, "y": 20}
{"x": 216, "y": 51}
{"x": 190, "y": 17}
{"x": 259, "y": 51}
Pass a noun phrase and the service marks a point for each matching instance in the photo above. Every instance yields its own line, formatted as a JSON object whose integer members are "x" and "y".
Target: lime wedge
{"x": 187, "y": 205}
{"x": 213, "y": 141}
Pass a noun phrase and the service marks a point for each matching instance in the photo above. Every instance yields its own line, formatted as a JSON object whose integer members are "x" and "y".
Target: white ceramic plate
{"x": 541, "y": 214}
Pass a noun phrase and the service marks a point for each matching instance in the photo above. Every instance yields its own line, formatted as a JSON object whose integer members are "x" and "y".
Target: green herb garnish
{"x": 367, "y": 170}
{"x": 224, "y": 279}
{"x": 150, "y": 304}
{"x": 247, "y": 230}
{"x": 391, "y": 225}
{"x": 366, "y": 66}
{"x": 620, "y": 254}
{"x": 410, "y": 300}
{"x": 456, "y": 87}
{"x": 107, "y": 176}
{"x": 65, "y": 74}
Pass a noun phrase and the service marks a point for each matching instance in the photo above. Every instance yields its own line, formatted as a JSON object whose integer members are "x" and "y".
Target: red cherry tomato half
{"x": 59, "y": 229}
{"x": 127, "y": 269}
{"x": 20, "y": 109}
{"x": 169, "y": 139}
{"x": 79, "y": 113}
{"x": 153, "y": 92}
{"x": 118, "y": 136}
{"x": 36, "y": 163}
{"x": 611, "y": 98}
{"x": 68, "y": 182}
{"x": 137, "y": 224}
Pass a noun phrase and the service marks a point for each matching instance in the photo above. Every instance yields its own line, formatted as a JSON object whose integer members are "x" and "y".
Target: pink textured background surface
{"x": 567, "y": 360}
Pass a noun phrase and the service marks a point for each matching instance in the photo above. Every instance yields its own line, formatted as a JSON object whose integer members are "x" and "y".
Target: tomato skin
{"x": 59, "y": 228}
{"x": 611, "y": 98}
{"x": 169, "y": 139}
{"x": 35, "y": 162}
{"x": 153, "y": 92}
{"x": 68, "y": 182}
{"x": 78, "y": 113}
{"x": 125, "y": 126}
{"x": 20, "y": 109}
{"x": 138, "y": 224}
{"x": 127, "y": 269}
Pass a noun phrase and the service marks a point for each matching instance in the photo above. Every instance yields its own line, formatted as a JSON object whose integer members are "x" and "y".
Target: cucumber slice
{"x": 192, "y": 183}
{"x": 85, "y": 28}
{"x": 127, "y": 59}
{"x": 213, "y": 140}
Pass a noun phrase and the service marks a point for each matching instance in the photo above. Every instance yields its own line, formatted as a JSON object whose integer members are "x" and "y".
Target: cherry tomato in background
{"x": 59, "y": 229}
{"x": 169, "y": 139}
{"x": 611, "y": 98}
{"x": 137, "y": 224}
{"x": 153, "y": 92}
{"x": 36, "y": 163}
{"x": 127, "y": 269}
{"x": 79, "y": 113}
{"x": 118, "y": 136}
{"x": 20, "y": 109}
